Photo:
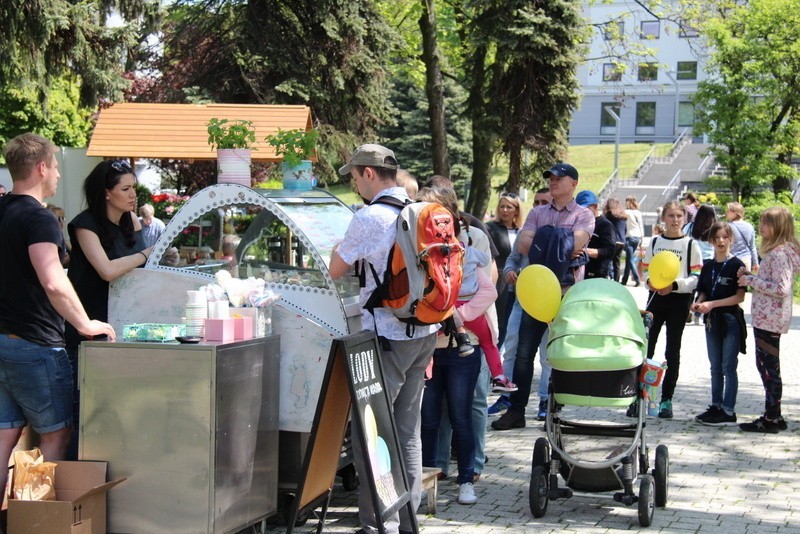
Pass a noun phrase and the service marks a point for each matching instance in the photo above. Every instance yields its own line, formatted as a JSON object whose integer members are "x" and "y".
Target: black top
{"x": 718, "y": 280}
{"x": 25, "y": 309}
{"x": 498, "y": 232}
{"x": 602, "y": 239}
{"x": 93, "y": 290}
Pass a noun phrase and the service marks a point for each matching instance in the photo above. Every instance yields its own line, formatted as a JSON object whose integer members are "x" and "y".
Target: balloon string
{"x": 652, "y": 296}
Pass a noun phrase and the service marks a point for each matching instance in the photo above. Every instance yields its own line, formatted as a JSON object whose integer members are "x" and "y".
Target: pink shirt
{"x": 572, "y": 217}
{"x": 771, "y": 308}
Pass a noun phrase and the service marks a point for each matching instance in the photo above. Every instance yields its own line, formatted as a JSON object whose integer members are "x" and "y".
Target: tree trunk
{"x": 434, "y": 89}
{"x": 480, "y": 187}
{"x": 514, "y": 167}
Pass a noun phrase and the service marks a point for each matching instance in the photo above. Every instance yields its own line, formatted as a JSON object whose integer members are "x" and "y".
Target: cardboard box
{"x": 80, "y": 505}
{"x": 242, "y": 328}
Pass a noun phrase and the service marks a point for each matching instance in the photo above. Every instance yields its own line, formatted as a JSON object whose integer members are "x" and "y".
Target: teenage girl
{"x": 670, "y": 305}
{"x": 771, "y": 309}
{"x": 718, "y": 299}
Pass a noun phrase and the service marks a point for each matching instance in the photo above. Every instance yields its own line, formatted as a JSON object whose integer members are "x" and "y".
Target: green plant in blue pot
{"x": 294, "y": 147}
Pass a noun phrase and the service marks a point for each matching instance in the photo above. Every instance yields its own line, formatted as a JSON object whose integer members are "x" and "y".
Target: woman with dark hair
{"x": 615, "y": 213}
{"x": 106, "y": 242}
{"x": 700, "y": 231}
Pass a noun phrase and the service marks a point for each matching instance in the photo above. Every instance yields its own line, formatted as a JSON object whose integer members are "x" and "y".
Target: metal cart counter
{"x": 194, "y": 428}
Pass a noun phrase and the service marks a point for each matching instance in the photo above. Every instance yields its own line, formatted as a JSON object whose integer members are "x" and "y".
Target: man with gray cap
{"x": 562, "y": 212}
{"x": 369, "y": 237}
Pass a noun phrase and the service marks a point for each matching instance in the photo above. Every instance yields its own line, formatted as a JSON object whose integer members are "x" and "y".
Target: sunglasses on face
{"x": 121, "y": 166}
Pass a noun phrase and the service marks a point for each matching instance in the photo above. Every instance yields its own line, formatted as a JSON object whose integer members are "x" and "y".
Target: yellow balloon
{"x": 539, "y": 292}
{"x": 663, "y": 269}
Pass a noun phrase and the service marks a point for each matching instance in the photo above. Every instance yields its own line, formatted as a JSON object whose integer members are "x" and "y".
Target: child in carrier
{"x": 718, "y": 299}
{"x": 670, "y": 305}
{"x": 771, "y": 309}
{"x": 474, "y": 259}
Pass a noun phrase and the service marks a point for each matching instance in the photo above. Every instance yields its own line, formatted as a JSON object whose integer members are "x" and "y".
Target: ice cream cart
{"x": 283, "y": 236}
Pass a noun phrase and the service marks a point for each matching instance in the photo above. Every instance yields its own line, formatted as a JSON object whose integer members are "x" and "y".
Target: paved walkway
{"x": 721, "y": 479}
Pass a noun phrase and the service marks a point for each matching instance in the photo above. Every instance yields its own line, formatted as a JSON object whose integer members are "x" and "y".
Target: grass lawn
{"x": 595, "y": 163}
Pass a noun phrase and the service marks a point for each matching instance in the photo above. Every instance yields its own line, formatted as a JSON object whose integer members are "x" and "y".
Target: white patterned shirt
{"x": 370, "y": 236}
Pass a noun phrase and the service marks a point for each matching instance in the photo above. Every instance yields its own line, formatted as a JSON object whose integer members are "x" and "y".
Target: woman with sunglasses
{"x": 107, "y": 242}
{"x": 508, "y": 219}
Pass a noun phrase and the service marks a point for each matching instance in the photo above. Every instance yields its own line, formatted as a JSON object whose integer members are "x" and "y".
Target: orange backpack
{"x": 423, "y": 275}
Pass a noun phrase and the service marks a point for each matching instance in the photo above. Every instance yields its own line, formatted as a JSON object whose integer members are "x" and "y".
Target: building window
{"x": 608, "y": 126}
{"x": 611, "y": 73}
{"x": 686, "y": 30}
{"x": 650, "y": 29}
{"x": 685, "y": 114}
{"x": 687, "y": 70}
{"x": 613, "y": 30}
{"x": 645, "y": 118}
{"x": 648, "y": 72}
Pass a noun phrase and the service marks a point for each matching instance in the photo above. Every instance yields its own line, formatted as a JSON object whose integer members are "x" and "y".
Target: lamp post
{"x": 615, "y": 116}
{"x": 674, "y": 80}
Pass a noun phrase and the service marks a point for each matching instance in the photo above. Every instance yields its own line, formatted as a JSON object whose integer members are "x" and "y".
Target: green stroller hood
{"x": 598, "y": 328}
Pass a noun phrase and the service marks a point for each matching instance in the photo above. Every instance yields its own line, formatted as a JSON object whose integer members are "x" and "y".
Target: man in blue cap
{"x": 601, "y": 245}
{"x": 561, "y": 213}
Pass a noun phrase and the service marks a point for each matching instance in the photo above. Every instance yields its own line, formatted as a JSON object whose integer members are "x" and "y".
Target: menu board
{"x": 324, "y": 224}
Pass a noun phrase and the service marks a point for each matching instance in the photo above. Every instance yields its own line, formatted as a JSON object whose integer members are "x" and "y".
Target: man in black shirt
{"x": 35, "y": 298}
{"x": 601, "y": 245}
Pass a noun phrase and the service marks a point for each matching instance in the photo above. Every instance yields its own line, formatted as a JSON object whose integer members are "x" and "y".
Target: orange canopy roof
{"x": 178, "y": 131}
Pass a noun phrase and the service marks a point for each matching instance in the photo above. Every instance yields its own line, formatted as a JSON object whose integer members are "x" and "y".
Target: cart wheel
{"x": 661, "y": 475}
{"x": 647, "y": 505}
{"x": 537, "y": 494}
{"x": 288, "y": 505}
{"x": 541, "y": 453}
{"x": 349, "y": 477}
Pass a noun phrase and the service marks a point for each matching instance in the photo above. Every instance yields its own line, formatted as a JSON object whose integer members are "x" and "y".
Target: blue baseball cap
{"x": 562, "y": 169}
{"x": 586, "y": 198}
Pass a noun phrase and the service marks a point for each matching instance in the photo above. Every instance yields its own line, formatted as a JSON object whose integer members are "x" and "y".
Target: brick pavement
{"x": 721, "y": 479}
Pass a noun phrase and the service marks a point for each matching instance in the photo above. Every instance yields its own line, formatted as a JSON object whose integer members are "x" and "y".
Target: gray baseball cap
{"x": 370, "y": 155}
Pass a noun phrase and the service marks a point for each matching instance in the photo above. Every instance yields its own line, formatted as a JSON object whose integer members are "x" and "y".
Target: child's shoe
{"x": 501, "y": 384}
{"x": 762, "y": 424}
{"x": 665, "y": 410}
{"x": 465, "y": 348}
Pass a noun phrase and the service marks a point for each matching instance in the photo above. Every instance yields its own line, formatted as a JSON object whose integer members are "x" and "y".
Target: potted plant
{"x": 232, "y": 139}
{"x": 295, "y": 147}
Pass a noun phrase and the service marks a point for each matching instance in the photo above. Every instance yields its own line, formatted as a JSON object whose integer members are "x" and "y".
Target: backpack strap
{"x": 388, "y": 200}
{"x": 361, "y": 269}
{"x": 689, "y": 259}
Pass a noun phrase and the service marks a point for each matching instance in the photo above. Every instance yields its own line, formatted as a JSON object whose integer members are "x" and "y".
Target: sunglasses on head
{"x": 509, "y": 195}
{"x": 121, "y": 166}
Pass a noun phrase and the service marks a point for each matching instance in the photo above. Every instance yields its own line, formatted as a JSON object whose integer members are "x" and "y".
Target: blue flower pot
{"x": 299, "y": 177}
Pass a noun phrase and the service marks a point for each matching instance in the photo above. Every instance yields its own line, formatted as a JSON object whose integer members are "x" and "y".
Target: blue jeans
{"x": 723, "y": 354}
{"x": 531, "y": 333}
{"x": 35, "y": 386}
{"x": 453, "y": 378}
{"x": 631, "y": 259}
{"x": 509, "y": 351}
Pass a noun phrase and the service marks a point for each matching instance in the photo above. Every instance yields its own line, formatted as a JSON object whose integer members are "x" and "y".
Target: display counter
{"x": 194, "y": 428}
{"x": 284, "y": 237}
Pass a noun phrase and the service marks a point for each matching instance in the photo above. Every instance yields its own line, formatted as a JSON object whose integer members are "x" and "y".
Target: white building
{"x": 643, "y": 67}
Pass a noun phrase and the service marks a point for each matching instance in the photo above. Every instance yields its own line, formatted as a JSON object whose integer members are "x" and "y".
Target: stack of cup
{"x": 195, "y": 313}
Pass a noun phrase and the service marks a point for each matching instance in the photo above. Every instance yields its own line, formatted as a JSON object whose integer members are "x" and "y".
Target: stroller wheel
{"x": 541, "y": 453}
{"x": 647, "y": 503}
{"x": 661, "y": 475}
{"x": 537, "y": 494}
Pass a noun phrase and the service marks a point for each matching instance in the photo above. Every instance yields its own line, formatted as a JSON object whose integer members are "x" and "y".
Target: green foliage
{"x": 143, "y": 195}
{"x": 42, "y": 41}
{"x": 293, "y": 146}
{"x": 60, "y": 118}
{"x": 230, "y": 133}
{"x": 749, "y": 106}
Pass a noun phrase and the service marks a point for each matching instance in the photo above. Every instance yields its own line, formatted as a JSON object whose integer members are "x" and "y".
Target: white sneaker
{"x": 466, "y": 494}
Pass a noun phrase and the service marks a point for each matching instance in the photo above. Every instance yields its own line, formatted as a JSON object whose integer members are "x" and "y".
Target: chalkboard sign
{"x": 354, "y": 372}
{"x": 373, "y": 423}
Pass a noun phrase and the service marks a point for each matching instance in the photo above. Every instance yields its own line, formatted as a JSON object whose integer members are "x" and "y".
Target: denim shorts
{"x": 35, "y": 386}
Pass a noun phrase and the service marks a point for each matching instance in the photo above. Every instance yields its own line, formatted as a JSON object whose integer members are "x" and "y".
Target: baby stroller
{"x": 596, "y": 347}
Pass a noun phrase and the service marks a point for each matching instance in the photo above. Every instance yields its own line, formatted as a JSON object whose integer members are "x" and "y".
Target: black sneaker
{"x": 708, "y": 415}
{"x": 509, "y": 420}
{"x": 633, "y": 410}
{"x": 781, "y": 423}
{"x": 763, "y": 425}
{"x": 541, "y": 415}
{"x": 465, "y": 348}
{"x": 717, "y": 417}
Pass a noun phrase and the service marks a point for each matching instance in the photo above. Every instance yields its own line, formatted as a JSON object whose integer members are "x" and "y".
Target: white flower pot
{"x": 233, "y": 166}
